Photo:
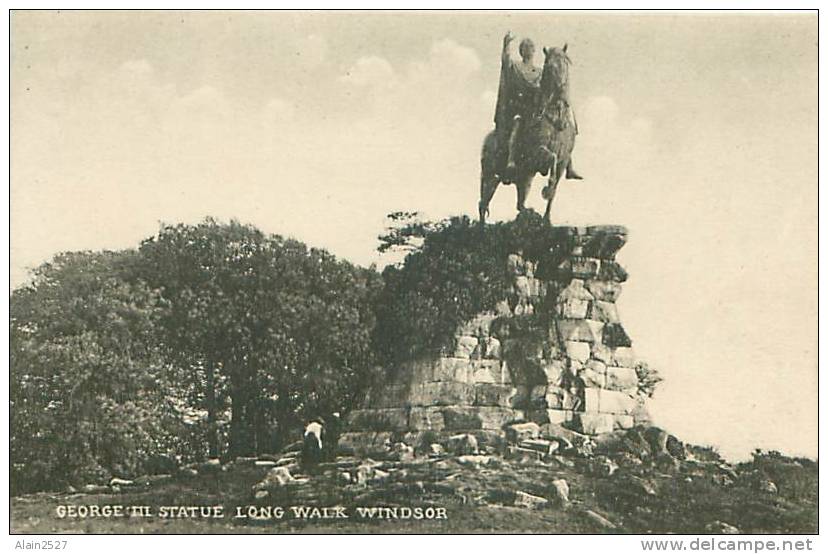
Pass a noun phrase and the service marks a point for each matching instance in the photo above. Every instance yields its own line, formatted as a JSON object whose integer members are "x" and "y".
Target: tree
{"x": 88, "y": 382}
{"x": 286, "y": 327}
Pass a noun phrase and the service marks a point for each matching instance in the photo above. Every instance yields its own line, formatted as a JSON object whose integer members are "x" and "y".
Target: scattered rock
{"x": 519, "y": 454}
{"x": 530, "y": 501}
{"x": 545, "y": 447}
{"x": 665, "y": 462}
{"x": 462, "y": 444}
{"x": 721, "y": 528}
{"x": 276, "y": 477}
{"x": 95, "y": 489}
{"x": 435, "y": 449}
{"x": 641, "y": 485}
{"x": 598, "y": 519}
{"x": 721, "y": 480}
{"x": 474, "y": 460}
{"x": 115, "y": 481}
{"x": 213, "y": 465}
{"x": 518, "y": 432}
{"x": 243, "y": 461}
{"x": 766, "y": 485}
{"x": 561, "y": 488}
{"x": 602, "y": 466}
{"x": 402, "y": 452}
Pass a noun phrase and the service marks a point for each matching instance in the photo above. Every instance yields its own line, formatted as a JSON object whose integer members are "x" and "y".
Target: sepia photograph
{"x": 414, "y": 272}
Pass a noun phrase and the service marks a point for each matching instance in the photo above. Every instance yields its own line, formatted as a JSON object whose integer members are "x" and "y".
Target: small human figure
{"x": 312, "y": 444}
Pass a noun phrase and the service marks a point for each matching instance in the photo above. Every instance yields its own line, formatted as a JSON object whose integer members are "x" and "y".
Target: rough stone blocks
{"x": 608, "y": 401}
{"x": 479, "y": 417}
{"x": 442, "y": 394}
{"x": 621, "y": 379}
{"x": 379, "y": 419}
{"x": 425, "y": 419}
{"x": 489, "y": 371}
{"x": 451, "y": 369}
{"x": 577, "y": 350}
{"x": 490, "y": 394}
{"x": 594, "y": 423}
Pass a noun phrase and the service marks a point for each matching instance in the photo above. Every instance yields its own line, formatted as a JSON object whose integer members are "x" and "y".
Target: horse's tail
{"x": 488, "y": 154}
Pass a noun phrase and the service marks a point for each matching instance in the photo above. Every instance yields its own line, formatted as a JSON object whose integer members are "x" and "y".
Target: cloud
{"x": 369, "y": 71}
{"x": 460, "y": 59}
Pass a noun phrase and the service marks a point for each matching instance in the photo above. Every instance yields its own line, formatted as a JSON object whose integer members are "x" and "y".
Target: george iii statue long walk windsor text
{"x": 535, "y": 126}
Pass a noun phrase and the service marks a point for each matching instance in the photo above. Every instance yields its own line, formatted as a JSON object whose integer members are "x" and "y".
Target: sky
{"x": 697, "y": 131}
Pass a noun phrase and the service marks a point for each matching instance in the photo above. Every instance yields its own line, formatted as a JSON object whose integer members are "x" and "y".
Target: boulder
{"x": 555, "y": 432}
{"x": 519, "y": 454}
{"x": 602, "y": 466}
{"x": 560, "y": 490}
{"x": 435, "y": 449}
{"x": 545, "y": 447}
{"x": 213, "y": 465}
{"x": 767, "y": 486}
{"x": 261, "y": 495}
{"x": 402, "y": 452}
{"x": 521, "y": 431}
{"x": 598, "y": 519}
{"x": 265, "y": 463}
{"x": 462, "y": 444}
{"x": 276, "y": 477}
{"x": 721, "y": 528}
{"x": 116, "y": 481}
{"x": 95, "y": 489}
{"x": 474, "y": 460}
{"x": 530, "y": 501}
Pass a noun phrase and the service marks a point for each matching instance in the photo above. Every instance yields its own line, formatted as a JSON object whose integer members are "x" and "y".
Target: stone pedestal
{"x": 554, "y": 350}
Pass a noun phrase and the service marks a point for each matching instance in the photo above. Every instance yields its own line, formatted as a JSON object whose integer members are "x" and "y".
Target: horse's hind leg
{"x": 488, "y": 186}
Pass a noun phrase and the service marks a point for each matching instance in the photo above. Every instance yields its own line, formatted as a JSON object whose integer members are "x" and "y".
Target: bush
{"x": 455, "y": 269}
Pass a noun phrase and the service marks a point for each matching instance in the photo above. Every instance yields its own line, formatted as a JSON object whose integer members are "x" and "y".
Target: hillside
{"x": 626, "y": 489}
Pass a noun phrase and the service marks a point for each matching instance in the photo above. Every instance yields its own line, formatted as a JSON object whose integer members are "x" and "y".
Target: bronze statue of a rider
{"x": 517, "y": 100}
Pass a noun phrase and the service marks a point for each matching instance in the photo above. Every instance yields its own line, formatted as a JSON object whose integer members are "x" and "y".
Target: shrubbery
{"x": 455, "y": 269}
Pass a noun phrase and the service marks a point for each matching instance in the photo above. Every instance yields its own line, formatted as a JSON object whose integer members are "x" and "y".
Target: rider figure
{"x": 523, "y": 84}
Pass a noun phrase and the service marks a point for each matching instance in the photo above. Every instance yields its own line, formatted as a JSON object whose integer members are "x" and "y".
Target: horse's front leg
{"x": 551, "y": 187}
{"x": 523, "y": 183}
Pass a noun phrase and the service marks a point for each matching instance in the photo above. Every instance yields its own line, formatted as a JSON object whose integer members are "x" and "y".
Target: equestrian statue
{"x": 535, "y": 126}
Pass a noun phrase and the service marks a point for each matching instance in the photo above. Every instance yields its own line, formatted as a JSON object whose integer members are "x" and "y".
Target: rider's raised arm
{"x": 505, "y": 59}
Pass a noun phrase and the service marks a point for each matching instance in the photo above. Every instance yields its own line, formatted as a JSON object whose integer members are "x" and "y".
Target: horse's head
{"x": 555, "y": 77}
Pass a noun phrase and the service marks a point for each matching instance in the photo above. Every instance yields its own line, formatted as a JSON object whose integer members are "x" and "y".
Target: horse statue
{"x": 544, "y": 145}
